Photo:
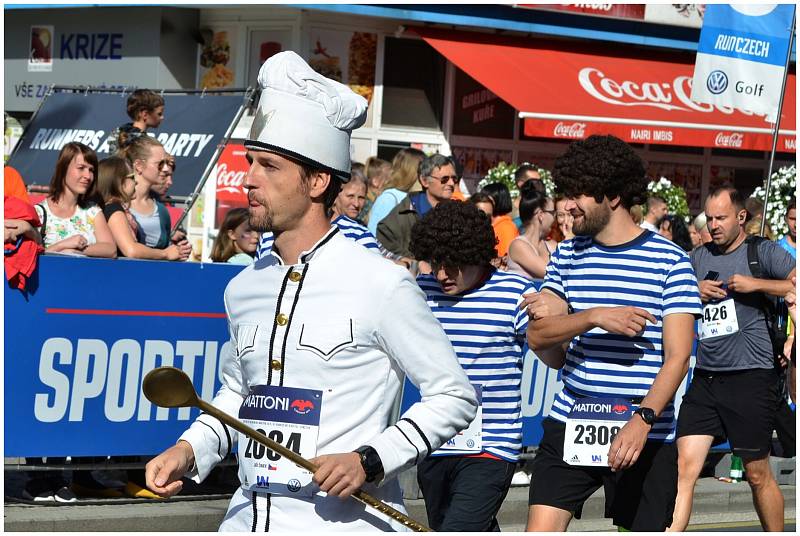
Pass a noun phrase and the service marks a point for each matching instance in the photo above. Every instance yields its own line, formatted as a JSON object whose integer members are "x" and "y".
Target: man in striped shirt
{"x": 465, "y": 482}
{"x": 616, "y": 313}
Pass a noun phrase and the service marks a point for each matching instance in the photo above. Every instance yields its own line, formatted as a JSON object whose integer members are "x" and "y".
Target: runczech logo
{"x": 717, "y": 82}
{"x": 293, "y": 485}
{"x": 302, "y": 406}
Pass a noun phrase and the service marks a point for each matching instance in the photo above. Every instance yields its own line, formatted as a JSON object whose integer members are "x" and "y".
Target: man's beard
{"x": 592, "y": 223}
{"x": 262, "y": 224}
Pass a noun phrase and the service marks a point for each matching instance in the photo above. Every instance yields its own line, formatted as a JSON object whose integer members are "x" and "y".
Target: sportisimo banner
{"x": 78, "y": 346}
{"x": 193, "y": 127}
{"x": 741, "y": 56}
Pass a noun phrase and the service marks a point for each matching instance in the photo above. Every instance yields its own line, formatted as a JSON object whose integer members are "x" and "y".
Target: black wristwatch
{"x": 371, "y": 462}
{"x": 647, "y": 415}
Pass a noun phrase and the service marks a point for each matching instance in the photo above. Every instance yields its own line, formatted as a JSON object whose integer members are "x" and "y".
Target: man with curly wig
{"x": 464, "y": 483}
{"x": 616, "y": 313}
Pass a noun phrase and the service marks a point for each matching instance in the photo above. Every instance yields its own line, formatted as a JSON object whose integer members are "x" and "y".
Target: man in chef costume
{"x": 323, "y": 333}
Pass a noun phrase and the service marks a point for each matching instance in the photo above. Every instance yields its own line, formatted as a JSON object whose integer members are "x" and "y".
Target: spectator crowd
{"x": 478, "y": 258}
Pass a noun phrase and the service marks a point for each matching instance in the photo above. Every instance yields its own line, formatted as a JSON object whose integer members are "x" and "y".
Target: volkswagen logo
{"x": 717, "y": 82}
{"x": 294, "y": 485}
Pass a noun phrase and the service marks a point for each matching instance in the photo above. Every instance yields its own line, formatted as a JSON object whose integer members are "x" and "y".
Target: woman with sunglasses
{"x": 117, "y": 184}
{"x": 529, "y": 253}
{"x": 146, "y": 157}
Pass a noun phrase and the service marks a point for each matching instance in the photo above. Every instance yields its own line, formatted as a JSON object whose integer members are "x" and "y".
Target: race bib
{"x": 591, "y": 427}
{"x": 289, "y": 416}
{"x": 467, "y": 441}
{"x": 719, "y": 319}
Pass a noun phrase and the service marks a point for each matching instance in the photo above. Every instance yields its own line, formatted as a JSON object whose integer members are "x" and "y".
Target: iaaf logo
{"x": 302, "y": 406}
{"x": 575, "y": 130}
{"x": 734, "y": 139}
{"x": 230, "y": 181}
{"x": 667, "y": 95}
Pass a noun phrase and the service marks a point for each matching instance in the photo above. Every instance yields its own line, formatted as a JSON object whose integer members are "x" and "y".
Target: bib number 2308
{"x": 591, "y": 427}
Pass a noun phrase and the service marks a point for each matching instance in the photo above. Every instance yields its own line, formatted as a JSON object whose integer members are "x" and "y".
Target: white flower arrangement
{"x": 504, "y": 173}
{"x": 781, "y": 192}
{"x": 674, "y": 195}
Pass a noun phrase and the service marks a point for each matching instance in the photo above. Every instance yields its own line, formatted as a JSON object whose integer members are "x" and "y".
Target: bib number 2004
{"x": 591, "y": 434}
{"x": 257, "y": 451}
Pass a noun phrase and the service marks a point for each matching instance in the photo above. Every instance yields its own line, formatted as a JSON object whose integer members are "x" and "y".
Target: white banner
{"x": 741, "y": 57}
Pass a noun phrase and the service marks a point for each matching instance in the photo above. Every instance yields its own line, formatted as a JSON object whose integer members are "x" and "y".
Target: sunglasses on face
{"x": 444, "y": 179}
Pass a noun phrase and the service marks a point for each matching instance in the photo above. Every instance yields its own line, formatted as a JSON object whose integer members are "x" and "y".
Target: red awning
{"x": 568, "y": 91}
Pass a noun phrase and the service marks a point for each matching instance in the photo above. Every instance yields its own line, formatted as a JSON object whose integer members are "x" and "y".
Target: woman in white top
{"x": 529, "y": 253}
{"x": 71, "y": 221}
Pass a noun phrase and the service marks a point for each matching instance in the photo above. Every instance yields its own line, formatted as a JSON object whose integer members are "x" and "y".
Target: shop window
{"x": 738, "y": 153}
{"x": 479, "y": 112}
{"x": 387, "y": 149}
{"x": 681, "y": 149}
{"x": 413, "y": 84}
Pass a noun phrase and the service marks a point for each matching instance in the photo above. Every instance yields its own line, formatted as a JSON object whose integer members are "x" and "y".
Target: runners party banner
{"x": 194, "y": 125}
{"x": 741, "y": 56}
{"x": 78, "y": 345}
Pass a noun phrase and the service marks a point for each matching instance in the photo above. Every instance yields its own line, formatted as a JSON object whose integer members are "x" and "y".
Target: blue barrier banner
{"x": 79, "y": 343}
{"x": 193, "y": 127}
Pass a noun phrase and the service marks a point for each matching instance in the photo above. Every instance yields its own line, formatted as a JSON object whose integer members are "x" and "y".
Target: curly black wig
{"x": 454, "y": 234}
{"x": 602, "y": 166}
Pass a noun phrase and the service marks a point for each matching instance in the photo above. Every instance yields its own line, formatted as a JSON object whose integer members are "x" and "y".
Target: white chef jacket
{"x": 346, "y": 322}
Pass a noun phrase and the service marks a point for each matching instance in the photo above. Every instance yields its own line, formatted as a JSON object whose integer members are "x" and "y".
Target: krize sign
{"x": 78, "y": 346}
{"x": 193, "y": 126}
{"x": 741, "y": 56}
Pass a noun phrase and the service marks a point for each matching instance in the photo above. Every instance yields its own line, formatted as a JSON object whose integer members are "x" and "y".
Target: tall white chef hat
{"x": 305, "y": 116}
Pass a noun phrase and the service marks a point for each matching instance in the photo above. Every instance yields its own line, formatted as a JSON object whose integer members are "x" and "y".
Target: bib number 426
{"x": 715, "y": 314}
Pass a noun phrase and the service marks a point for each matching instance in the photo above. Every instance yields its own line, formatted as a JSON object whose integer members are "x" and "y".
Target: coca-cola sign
{"x": 667, "y": 95}
{"x": 570, "y": 130}
{"x": 231, "y": 172}
{"x": 732, "y": 139}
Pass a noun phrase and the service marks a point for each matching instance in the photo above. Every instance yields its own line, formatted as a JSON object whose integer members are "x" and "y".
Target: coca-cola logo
{"x": 230, "y": 181}
{"x": 734, "y": 139}
{"x": 666, "y": 95}
{"x": 567, "y": 130}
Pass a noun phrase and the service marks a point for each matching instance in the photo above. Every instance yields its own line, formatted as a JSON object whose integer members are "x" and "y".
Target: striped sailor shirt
{"x": 349, "y": 228}
{"x": 487, "y": 329}
{"x": 649, "y": 272}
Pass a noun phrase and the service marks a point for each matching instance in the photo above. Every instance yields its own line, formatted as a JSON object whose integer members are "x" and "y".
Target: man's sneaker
{"x": 65, "y": 495}
{"x": 45, "y": 496}
{"x": 520, "y": 478}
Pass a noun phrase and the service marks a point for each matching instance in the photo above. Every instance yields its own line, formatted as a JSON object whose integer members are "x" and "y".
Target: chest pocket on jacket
{"x": 327, "y": 339}
{"x": 246, "y": 339}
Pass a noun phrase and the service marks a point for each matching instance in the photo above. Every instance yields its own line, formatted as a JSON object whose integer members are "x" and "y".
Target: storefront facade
{"x": 418, "y": 96}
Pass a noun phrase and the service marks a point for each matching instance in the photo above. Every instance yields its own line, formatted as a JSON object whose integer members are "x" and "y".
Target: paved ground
{"x": 716, "y": 502}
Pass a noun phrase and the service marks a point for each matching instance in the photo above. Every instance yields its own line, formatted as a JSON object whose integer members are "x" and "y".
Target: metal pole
{"x": 777, "y": 126}
{"x": 211, "y": 163}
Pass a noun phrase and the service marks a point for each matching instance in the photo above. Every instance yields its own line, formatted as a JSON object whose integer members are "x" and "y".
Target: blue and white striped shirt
{"x": 487, "y": 329}
{"x": 349, "y": 228}
{"x": 649, "y": 272}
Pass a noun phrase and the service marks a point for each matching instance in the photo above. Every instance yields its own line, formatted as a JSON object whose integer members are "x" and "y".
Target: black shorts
{"x": 640, "y": 498}
{"x": 740, "y": 406}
